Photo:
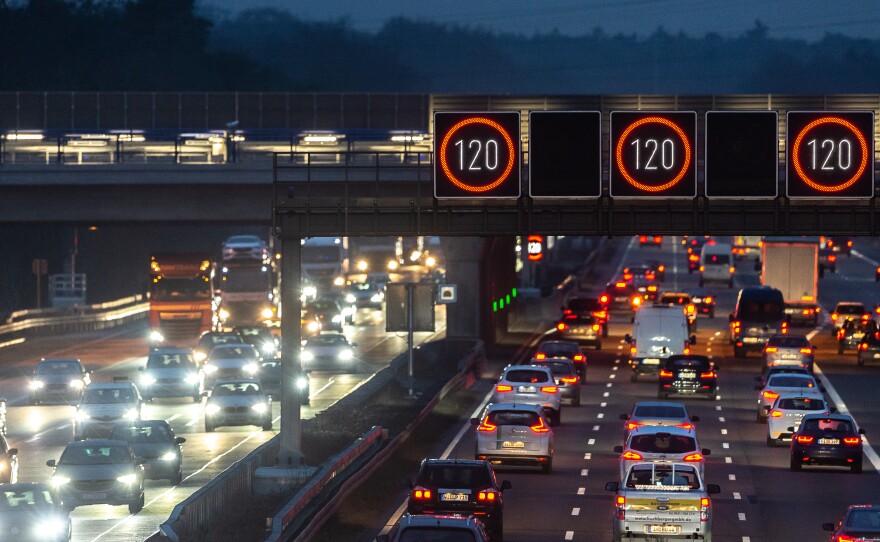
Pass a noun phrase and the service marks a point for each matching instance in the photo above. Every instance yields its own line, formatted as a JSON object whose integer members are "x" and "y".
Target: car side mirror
{"x": 12, "y": 452}
{"x": 612, "y": 486}
{"x": 624, "y": 416}
{"x": 861, "y": 431}
{"x": 713, "y": 489}
{"x": 695, "y": 418}
{"x": 693, "y": 339}
{"x": 179, "y": 440}
{"x": 618, "y": 449}
{"x": 628, "y": 338}
{"x": 730, "y": 317}
{"x": 406, "y": 483}
{"x": 506, "y": 485}
{"x": 706, "y": 451}
{"x": 828, "y": 527}
{"x": 51, "y": 463}
{"x": 475, "y": 421}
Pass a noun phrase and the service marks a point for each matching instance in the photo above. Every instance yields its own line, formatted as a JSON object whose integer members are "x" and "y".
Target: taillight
{"x": 541, "y": 356}
{"x": 636, "y": 301}
{"x": 487, "y": 495}
{"x": 540, "y": 427}
{"x": 693, "y": 258}
{"x": 693, "y": 458}
{"x": 621, "y": 507}
{"x": 771, "y": 350}
{"x": 665, "y": 374}
{"x": 852, "y": 441}
{"x": 709, "y": 374}
{"x": 806, "y": 350}
{"x": 834, "y": 316}
{"x": 561, "y": 326}
{"x": 662, "y": 268}
{"x": 863, "y": 346}
{"x": 807, "y": 312}
{"x": 691, "y": 309}
{"x": 686, "y": 425}
{"x": 627, "y": 276}
{"x": 849, "y": 243}
{"x": 652, "y": 288}
{"x": 633, "y": 425}
{"x": 704, "y": 509}
{"x": 643, "y": 239}
{"x": 600, "y": 314}
{"x": 772, "y": 395}
{"x": 732, "y": 269}
{"x": 569, "y": 379}
{"x": 832, "y": 258}
{"x": 603, "y": 299}
{"x": 803, "y": 439}
{"x": 840, "y": 333}
{"x": 687, "y": 349}
{"x": 632, "y": 456}
{"x": 776, "y": 414}
{"x": 421, "y": 494}
{"x": 736, "y": 325}
{"x": 503, "y": 387}
{"x": 579, "y": 357}
{"x": 708, "y": 299}
{"x": 658, "y": 239}
{"x": 632, "y": 350}
{"x": 486, "y": 426}
{"x": 784, "y": 327}
{"x": 620, "y": 285}
{"x": 702, "y": 268}
{"x": 595, "y": 327}
{"x": 567, "y": 311}
{"x": 549, "y": 389}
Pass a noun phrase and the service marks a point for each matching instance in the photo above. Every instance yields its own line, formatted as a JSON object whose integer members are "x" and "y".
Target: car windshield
{"x": 25, "y": 498}
{"x": 436, "y": 534}
{"x": 663, "y": 443}
{"x": 234, "y": 352}
{"x": 46, "y": 368}
{"x": 529, "y": 376}
{"x": 237, "y": 388}
{"x": 558, "y": 367}
{"x": 864, "y": 520}
{"x": 170, "y": 361}
{"x": 327, "y": 340}
{"x": 761, "y": 311}
{"x": 456, "y": 476}
{"x": 513, "y": 417}
{"x": 141, "y": 433}
{"x": 800, "y": 403}
{"x": 214, "y": 340}
{"x": 659, "y": 411}
{"x": 94, "y": 455}
{"x": 828, "y": 424}
{"x": 788, "y": 381}
{"x": 676, "y": 475}
{"x": 788, "y": 342}
{"x": 108, "y": 395}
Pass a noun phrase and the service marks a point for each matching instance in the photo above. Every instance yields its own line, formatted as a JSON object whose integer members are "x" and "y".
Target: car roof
{"x": 451, "y": 462}
{"x": 169, "y": 350}
{"x": 515, "y": 406}
{"x": 671, "y": 429}
{"x": 522, "y": 367}
{"x": 96, "y": 442}
{"x": 110, "y": 385}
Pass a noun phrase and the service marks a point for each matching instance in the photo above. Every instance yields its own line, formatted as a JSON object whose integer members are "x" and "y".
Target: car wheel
{"x": 267, "y": 426}
{"x": 662, "y": 395}
{"x": 209, "y": 427}
{"x": 634, "y": 377}
{"x": 137, "y": 506}
{"x": 605, "y": 331}
{"x": 577, "y": 399}
{"x": 771, "y": 442}
{"x": 547, "y": 467}
{"x": 856, "y": 467}
{"x": 795, "y": 464}
{"x": 712, "y": 313}
{"x": 177, "y": 478}
{"x": 759, "y": 417}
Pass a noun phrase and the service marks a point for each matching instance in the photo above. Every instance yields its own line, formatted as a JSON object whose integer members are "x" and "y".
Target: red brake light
{"x": 632, "y": 456}
{"x": 852, "y": 441}
{"x": 832, "y": 258}
{"x": 652, "y": 288}
{"x": 806, "y": 350}
{"x": 503, "y": 387}
{"x": 561, "y": 326}
{"x": 803, "y": 439}
{"x": 849, "y": 243}
{"x": 694, "y": 457}
{"x": 770, "y": 395}
{"x": 863, "y": 346}
{"x": 620, "y": 285}
{"x": 665, "y": 374}
{"x": 691, "y": 309}
{"x": 693, "y": 258}
{"x": 658, "y": 239}
{"x": 709, "y": 374}
{"x": 643, "y": 238}
{"x": 541, "y": 356}
{"x": 549, "y": 389}
{"x": 603, "y": 299}
{"x": 569, "y": 379}
{"x": 627, "y": 276}
{"x": 685, "y": 425}
{"x": 566, "y": 311}
{"x": 487, "y": 495}
{"x": 579, "y": 357}
{"x": 771, "y": 350}
{"x": 486, "y": 426}
{"x": 540, "y": 427}
{"x": 421, "y": 493}
{"x": 632, "y": 425}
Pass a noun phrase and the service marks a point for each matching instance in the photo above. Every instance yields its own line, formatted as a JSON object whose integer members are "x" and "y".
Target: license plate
{"x": 651, "y": 361}
{"x": 663, "y": 529}
{"x": 457, "y": 497}
{"x": 527, "y": 389}
{"x": 94, "y": 496}
{"x": 687, "y": 376}
{"x": 858, "y": 335}
{"x": 514, "y": 444}
{"x": 829, "y": 441}
{"x": 789, "y": 356}
{"x": 621, "y": 299}
{"x": 750, "y": 339}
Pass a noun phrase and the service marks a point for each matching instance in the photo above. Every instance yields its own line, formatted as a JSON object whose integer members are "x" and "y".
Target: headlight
{"x": 200, "y": 357}
{"x": 346, "y": 355}
{"x": 267, "y": 313}
{"x": 132, "y": 414}
{"x": 302, "y": 383}
{"x": 337, "y": 318}
{"x": 350, "y": 298}
{"x": 59, "y": 480}
{"x": 191, "y": 378}
{"x": 430, "y": 262}
{"x": 168, "y": 456}
{"x": 339, "y": 281}
{"x": 50, "y": 527}
{"x": 224, "y": 314}
{"x": 393, "y": 265}
{"x": 306, "y": 356}
{"x": 251, "y": 368}
{"x": 76, "y": 384}
{"x": 377, "y": 298}
{"x": 156, "y": 337}
{"x": 309, "y": 291}
{"x": 127, "y": 479}
{"x": 37, "y": 384}
{"x": 148, "y": 380}
{"x": 268, "y": 348}
{"x": 260, "y": 407}
{"x": 362, "y": 265}
{"x": 314, "y": 327}
{"x": 82, "y": 416}
{"x": 209, "y": 369}
{"x": 212, "y": 409}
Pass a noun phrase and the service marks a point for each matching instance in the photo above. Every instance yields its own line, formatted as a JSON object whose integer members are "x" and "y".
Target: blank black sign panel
{"x": 565, "y": 154}
{"x": 742, "y": 154}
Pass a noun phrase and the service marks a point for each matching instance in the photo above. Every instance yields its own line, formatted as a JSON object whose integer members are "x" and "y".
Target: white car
{"x": 328, "y": 351}
{"x": 530, "y": 384}
{"x": 778, "y": 384}
{"x": 654, "y": 413}
{"x": 662, "y": 444}
{"x": 515, "y": 434}
{"x": 238, "y": 402}
{"x": 787, "y": 412}
{"x": 230, "y": 361}
{"x": 103, "y": 404}
{"x": 249, "y": 247}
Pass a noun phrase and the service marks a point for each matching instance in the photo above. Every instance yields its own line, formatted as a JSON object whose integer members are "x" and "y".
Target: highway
{"x": 761, "y": 499}
{"x": 41, "y": 432}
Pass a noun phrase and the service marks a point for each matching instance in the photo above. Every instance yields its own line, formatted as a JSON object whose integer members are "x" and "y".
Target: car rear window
{"x": 664, "y": 476}
{"x": 863, "y": 520}
{"x": 455, "y": 476}
{"x": 558, "y": 367}
{"x": 659, "y": 411}
{"x": 527, "y": 375}
{"x": 687, "y": 363}
{"x": 786, "y": 381}
{"x": 828, "y": 424}
{"x": 789, "y": 342}
{"x": 559, "y": 349}
{"x": 676, "y": 299}
{"x": 754, "y": 310}
{"x": 717, "y": 259}
{"x": 663, "y": 443}
{"x": 800, "y": 403}
{"x": 513, "y": 417}
{"x": 435, "y": 534}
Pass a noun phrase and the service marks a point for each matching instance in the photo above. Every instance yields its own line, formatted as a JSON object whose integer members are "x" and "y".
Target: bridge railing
{"x": 33, "y": 322}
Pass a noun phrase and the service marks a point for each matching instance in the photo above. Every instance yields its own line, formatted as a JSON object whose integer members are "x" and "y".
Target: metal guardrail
{"x": 74, "y": 319}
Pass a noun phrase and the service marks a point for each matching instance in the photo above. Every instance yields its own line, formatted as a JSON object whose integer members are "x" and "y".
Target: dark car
{"x": 688, "y": 374}
{"x": 703, "y": 301}
{"x": 658, "y": 267}
{"x": 827, "y": 439}
{"x": 646, "y": 288}
{"x": 58, "y": 380}
{"x": 869, "y": 348}
{"x": 170, "y": 372}
{"x": 563, "y": 349}
{"x": 860, "y": 522}
{"x": 695, "y": 244}
{"x": 589, "y": 305}
{"x": 329, "y": 313}
{"x": 583, "y": 329}
{"x": 459, "y": 487}
{"x": 843, "y": 245}
{"x": 850, "y": 335}
{"x": 566, "y": 376}
{"x": 827, "y": 261}
{"x": 784, "y": 369}
{"x": 29, "y": 512}
{"x": 154, "y": 441}
{"x": 270, "y": 380}
{"x": 651, "y": 240}
{"x": 758, "y": 315}
{"x": 210, "y": 339}
{"x": 693, "y": 261}
{"x": 262, "y": 338}
{"x": 622, "y": 297}
{"x": 642, "y": 271}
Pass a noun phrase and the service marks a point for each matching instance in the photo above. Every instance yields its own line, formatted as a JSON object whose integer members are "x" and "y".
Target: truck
{"x": 790, "y": 264}
{"x": 661, "y": 501}
{"x": 325, "y": 261}
{"x": 373, "y": 254}
{"x": 746, "y": 246}
{"x": 180, "y": 296}
{"x": 245, "y": 293}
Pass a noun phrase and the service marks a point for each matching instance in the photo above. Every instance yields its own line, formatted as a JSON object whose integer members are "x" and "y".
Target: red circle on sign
{"x": 618, "y": 154}
{"x": 796, "y": 160}
{"x": 511, "y": 155}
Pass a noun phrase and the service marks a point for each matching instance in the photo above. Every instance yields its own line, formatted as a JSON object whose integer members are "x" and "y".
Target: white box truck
{"x": 790, "y": 264}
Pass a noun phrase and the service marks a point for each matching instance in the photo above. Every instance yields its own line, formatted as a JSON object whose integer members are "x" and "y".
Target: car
{"x": 688, "y": 374}
{"x": 567, "y": 378}
{"x": 310, "y": 324}
{"x": 209, "y": 339}
{"x": 659, "y": 331}
{"x": 347, "y": 303}
{"x": 238, "y": 402}
{"x": 514, "y": 434}
{"x": 8, "y": 462}
{"x": 877, "y": 275}
{"x": 154, "y": 441}
{"x": 582, "y": 329}
{"x": 827, "y": 439}
{"x": 661, "y": 444}
{"x": 693, "y": 261}
{"x": 859, "y": 522}
{"x": 622, "y": 297}
{"x": 658, "y": 413}
{"x": 459, "y": 487}
{"x": 170, "y": 372}
{"x": 31, "y": 510}
{"x": 230, "y": 361}
{"x": 787, "y": 412}
{"x": 563, "y": 349}
{"x": 716, "y": 264}
{"x": 658, "y": 267}
{"x": 696, "y": 243}
{"x": 790, "y": 349}
{"x": 842, "y": 245}
{"x": 759, "y": 314}
{"x": 781, "y": 369}
{"x": 827, "y": 261}
{"x": 869, "y": 348}
{"x": 328, "y": 351}
{"x": 270, "y": 379}
{"x": 248, "y": 247}
{"x": 367, "y": 294}
{"x": 850, "y": 335}
{"x": 530, "y": 384}
{"x": 57, "y": 380}
{"x": 98, "y": 471}
{"x": 595, "y": 305}
{"x": 847, "y": 310}
{"x": 651, "y": 240}
{"x": 779, "y": 384}
{"x": 328, "y": 312}
{"x": 413, "y": 528}
{"x": 703, "y": 301}
{"x": 683, "y": 300}
{"x": 646, "y": 288}
{"x": 262, "y": 338}
{"x": 103, "y": 404}
{"x": 641, "y": 271}
{"x": 802, "y": 313}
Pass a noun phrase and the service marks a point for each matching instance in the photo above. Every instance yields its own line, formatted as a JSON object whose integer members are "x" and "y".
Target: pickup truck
{"x": 662, "y": 501}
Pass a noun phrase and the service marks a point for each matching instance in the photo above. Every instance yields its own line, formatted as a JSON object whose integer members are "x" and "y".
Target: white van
{"x": 716, "y": 264}
{"x": 659, "y": 331}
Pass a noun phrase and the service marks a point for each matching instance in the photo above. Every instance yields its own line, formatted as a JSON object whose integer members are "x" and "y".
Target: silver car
{"x": 328, "y": 351}
{"x": 515, "y": 434}
{"x": 238, "y": 402}
{"x": 170, "y": 372}
{"x": 230, "y": 361}
{"x": 788, "y": 350}
{"x": 103, "y": 405}
{"x": 529, "y": 384}
{"x": 779, "y": 384}
{"x": 787, "y": 412}
{"x": 662, "y": 444}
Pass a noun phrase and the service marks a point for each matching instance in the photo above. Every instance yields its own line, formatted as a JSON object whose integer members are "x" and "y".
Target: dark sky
{"x": 805, "y": 19}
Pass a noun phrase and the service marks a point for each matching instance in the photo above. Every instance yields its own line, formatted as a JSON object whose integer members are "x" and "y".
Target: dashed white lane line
{"x": 728, "y": 460}
{"x": 725, "y": 445}
{"x": 603, "y": 405}
{"x": 591, "y": 442}
{"x": 606, "y": 394}
{"x": 575, "y": 511}
{"x": 747, "y": 539}
{"x": 588, "y": 456}
{"x": 741, "y": 516}
{"x": 569, "y": 535}
{"x": 737, "y": 496}
{"x": 731, "y": 477}
{"x": 718, "y": 407}
{"x": 724, "y": 431}
{"x": 612, "y": 376}
{"x": 608, "y": 385}
{"x": 721, "y": 419}
{"x": 595, "y": 428}
{"x": 585, "y": 472}
{"x": 600, "y": 415}
{"x": 582, "y": 491}
{"x": 615, "y": 368}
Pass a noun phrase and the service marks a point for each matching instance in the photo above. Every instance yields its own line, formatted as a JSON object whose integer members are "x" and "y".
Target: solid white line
{"x": 322, "y": 388}
{"x": 172, "y": 418}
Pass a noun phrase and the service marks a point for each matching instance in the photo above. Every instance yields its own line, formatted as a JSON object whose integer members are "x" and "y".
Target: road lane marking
{"x": 600, "y": 415}
{"x": 603, "y": 405}
{"x": 724, "y": 431}
{"x": 172, "y": 418}
{"x": 588, "y": 456}
{"x": 595, "y": 428}
{"x": 322, "y": 388}
{"x": 721, "y": 419}
{"x": 582, "y": 491}
{"x": 731, "y": 477}
{"x": 575, "y": 511}
{"x": 569, "y": 535}
{"x": 741, "y": 516}
{"x": 737, "y": 496}
{"x": 728, "y": 459}
{"x": 585, "y": 472}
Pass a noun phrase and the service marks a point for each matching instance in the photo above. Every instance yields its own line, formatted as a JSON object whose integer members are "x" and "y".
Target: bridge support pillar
{"x": 290, "y": 452}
